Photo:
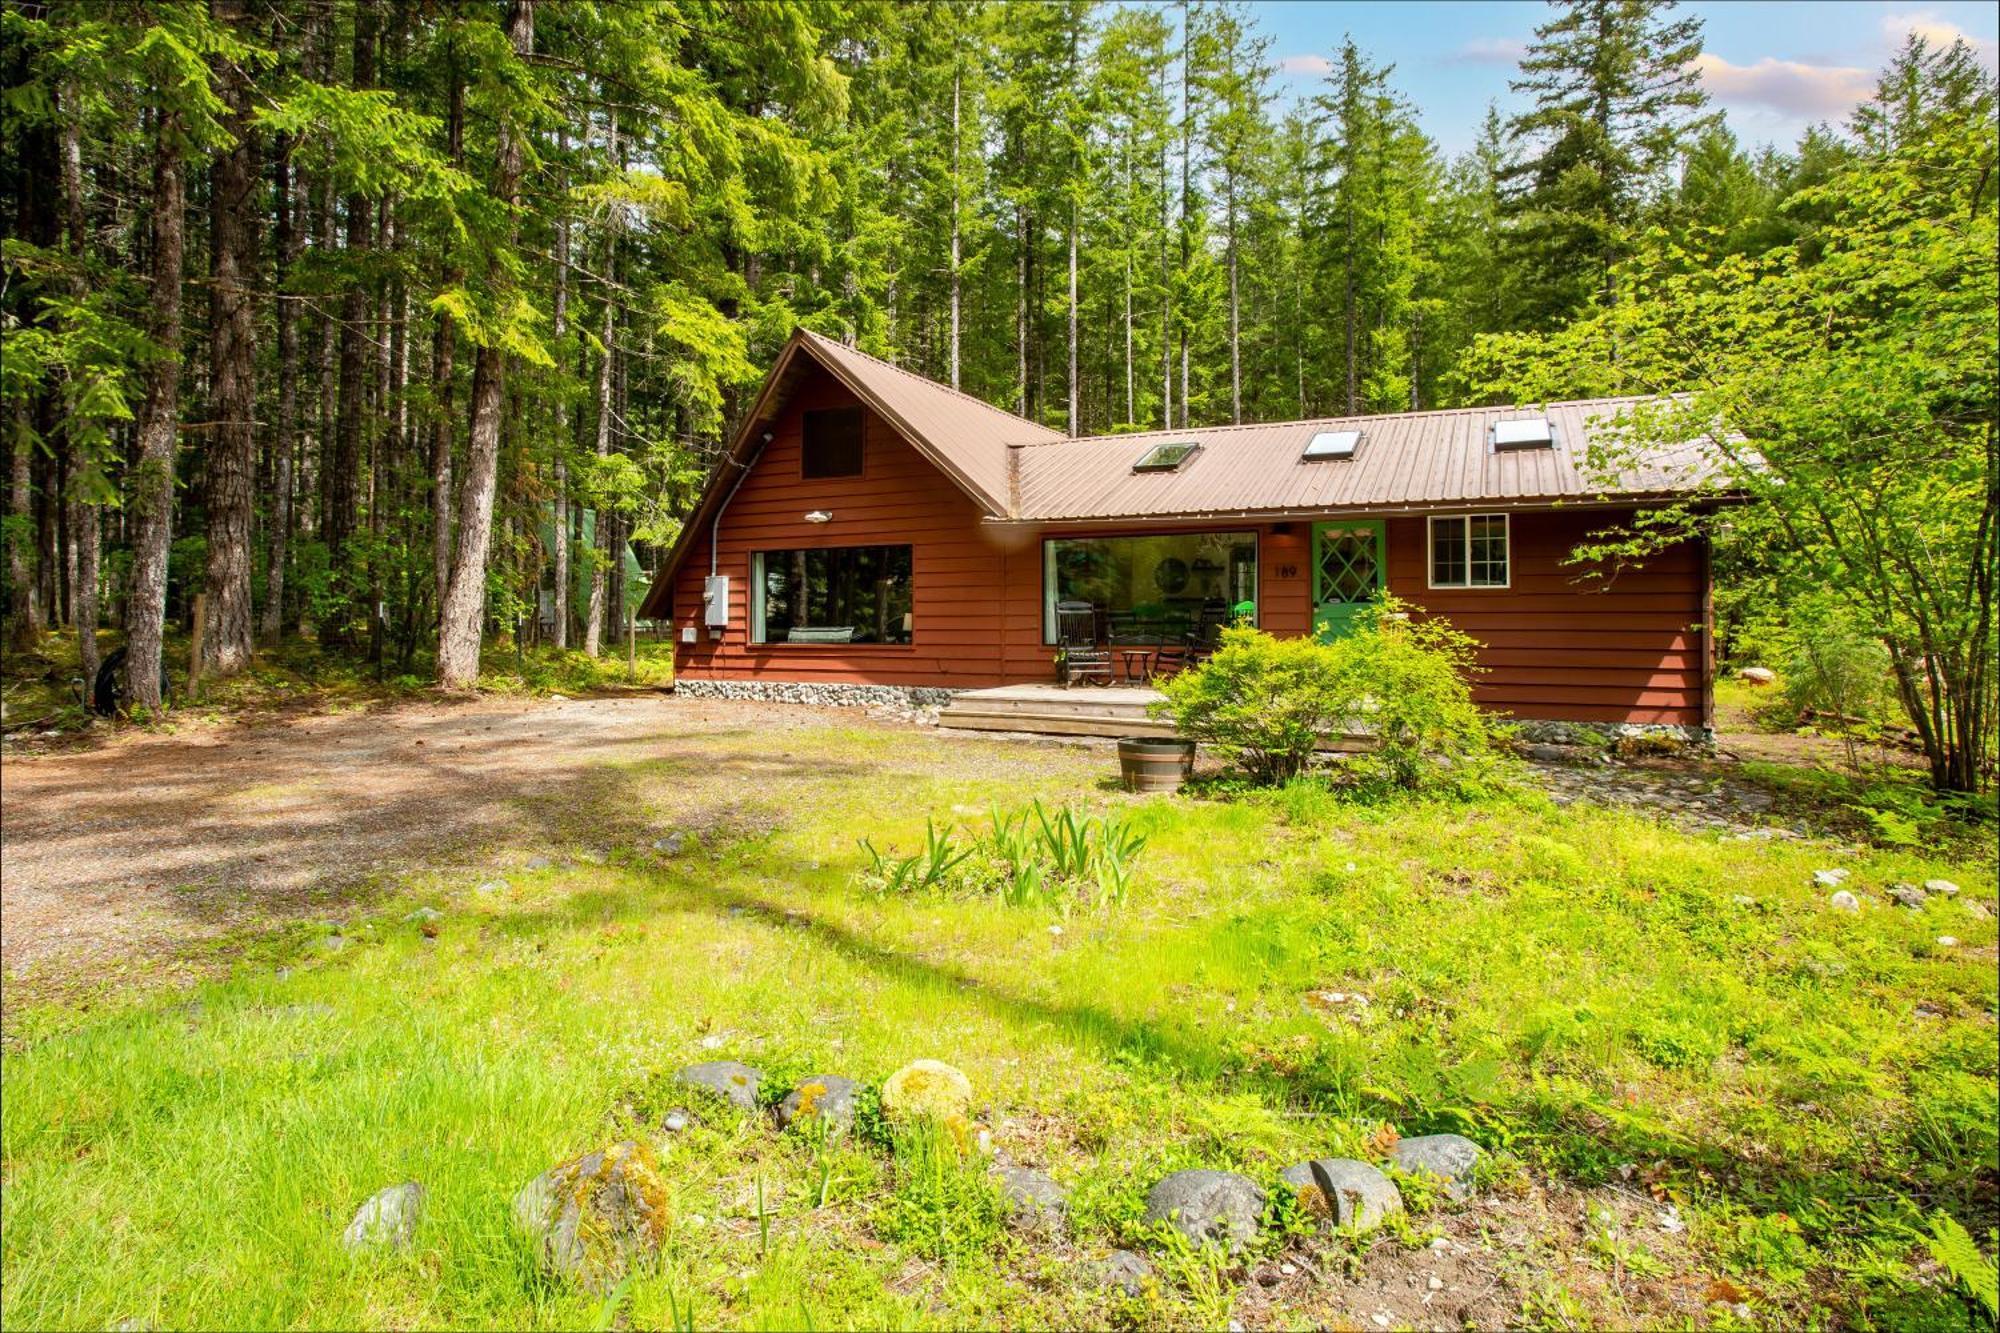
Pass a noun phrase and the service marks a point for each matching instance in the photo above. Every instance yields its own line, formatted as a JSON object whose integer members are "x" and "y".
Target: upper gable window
{"x": 832, "y": 446}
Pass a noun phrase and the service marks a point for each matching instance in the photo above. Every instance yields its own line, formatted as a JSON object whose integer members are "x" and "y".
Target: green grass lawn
{"x": 1616, "y": 1009}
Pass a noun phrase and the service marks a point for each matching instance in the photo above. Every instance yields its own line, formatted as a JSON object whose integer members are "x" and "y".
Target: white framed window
{"x": 1469, "y": 551}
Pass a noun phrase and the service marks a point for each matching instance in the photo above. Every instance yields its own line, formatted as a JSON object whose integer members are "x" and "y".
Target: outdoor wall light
{"x": 819, "y": 516}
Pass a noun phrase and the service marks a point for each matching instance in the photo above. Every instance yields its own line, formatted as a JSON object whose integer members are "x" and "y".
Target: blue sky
{"x": 1774, "y": 68}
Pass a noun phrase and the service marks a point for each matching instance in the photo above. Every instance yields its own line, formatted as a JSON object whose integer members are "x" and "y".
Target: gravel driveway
{"x": 148, "y": 842}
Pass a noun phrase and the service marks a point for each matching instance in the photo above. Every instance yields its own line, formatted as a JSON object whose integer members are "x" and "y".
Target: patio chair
{"x": 1083, "y": 658}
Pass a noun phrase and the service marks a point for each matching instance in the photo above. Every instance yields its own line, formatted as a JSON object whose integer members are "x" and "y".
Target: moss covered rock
{"x": 596, "y": 1218}
{"x": 926, "y": 1088}
{"x": 1208, "y": 1207}
{"x": 824, "y": 1097}
{"x": 730, "y": 1080}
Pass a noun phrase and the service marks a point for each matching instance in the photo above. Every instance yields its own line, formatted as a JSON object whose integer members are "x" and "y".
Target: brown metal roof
{"x": 1411, "y": 460}
{"x": 1021, "y": 471}
{"x": 968, "y": 437}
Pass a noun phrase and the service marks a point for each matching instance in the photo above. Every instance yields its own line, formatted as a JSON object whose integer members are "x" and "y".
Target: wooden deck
{"x": 1084, "y": 710}
{"x": 1051, "y": 710}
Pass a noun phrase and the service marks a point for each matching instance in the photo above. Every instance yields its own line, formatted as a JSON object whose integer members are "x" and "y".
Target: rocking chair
{"x": 1082, "y": 656}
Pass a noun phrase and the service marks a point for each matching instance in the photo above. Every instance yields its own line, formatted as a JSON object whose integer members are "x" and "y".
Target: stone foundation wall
{"x": 924, "y": 700}
{"x": 907, "y": 697}
{"x": 1608, "y": 734}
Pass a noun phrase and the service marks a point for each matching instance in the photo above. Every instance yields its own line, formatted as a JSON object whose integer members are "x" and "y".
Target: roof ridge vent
{"x": 1520, "y": 433}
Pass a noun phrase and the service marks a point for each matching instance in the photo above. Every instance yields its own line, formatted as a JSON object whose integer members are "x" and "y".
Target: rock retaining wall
{"x": 818, "y": 692}
{"x": 1606, "y": 734}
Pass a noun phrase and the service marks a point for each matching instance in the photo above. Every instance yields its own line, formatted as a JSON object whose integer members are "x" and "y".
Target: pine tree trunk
{"x": 559, "y": 440}
{"x": 465, "y": 597}
{"x": 344, "y": 468}
{"x": 25, "y": 629}
{"x": 290, "y": 244}
{"x": 1235, "y": 319}
{"x": 955, "y": 209}
{"x": 83, "y": 508}
{"x": 1347, "y": 307}
{"x": 1187, "y": 196}
{"x": 231, "y": 454}
{"x": 443, "y": 350}
{"x": 1131, "y": 383}
{"x": 593, "y": 628}
{"x": 159, "y": 424}
{"x": 1074, "y": 422}
{"x": 1021, "y": 311}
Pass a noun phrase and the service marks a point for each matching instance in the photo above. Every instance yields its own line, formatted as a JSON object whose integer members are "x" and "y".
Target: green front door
{"x": 1347, "y": 573}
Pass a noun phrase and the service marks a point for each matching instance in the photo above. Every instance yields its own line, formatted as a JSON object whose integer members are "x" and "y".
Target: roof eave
{"x": 1596, "y": 500}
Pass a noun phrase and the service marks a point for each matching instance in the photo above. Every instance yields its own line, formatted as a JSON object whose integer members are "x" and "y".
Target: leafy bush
{"x": 1410, "y": 677}
{"x": 1264, "y": 703}
{"x": 1261, "y": 702}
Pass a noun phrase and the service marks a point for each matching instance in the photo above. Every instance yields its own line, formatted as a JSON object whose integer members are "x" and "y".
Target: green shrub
{"x": 1409, "y": 677}
{"x": 1260, "y": 702}
{"x": 1263, "y": 702}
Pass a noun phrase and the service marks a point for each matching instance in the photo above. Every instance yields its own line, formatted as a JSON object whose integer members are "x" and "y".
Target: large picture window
{"x": 837, "y": 594}
{"x": 1155, "y": 588}
{"x": 831, "y": 444}
{"x": 1469, "y": 551}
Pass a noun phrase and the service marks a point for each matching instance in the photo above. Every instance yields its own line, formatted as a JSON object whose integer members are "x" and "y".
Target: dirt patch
{"x": 144, "y": 843}
{"x": 1602, "y": 1256}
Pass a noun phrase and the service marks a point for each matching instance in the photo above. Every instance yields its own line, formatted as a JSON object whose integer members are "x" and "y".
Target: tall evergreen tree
{"x": 1615, "y": 97}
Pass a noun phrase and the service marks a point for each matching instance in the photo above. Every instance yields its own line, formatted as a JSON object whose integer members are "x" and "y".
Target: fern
{"x": 1952, "y": 1245}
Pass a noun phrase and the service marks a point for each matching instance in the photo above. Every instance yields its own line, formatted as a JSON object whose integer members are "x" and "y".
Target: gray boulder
{"x": 596, "y": 1218}
{"x": 1354, "y": 1194}
{"x": 1908, "y": 895}
{"x": 1943, "y": 886}
{"x": 1757, "y": 675}
{"x": 733, "y": 1082}
{"x": 826, "y": 1097}
{"x": 1843, "y": 901}
{"x": 1452, "y": 1158}
{"x": 1127, "y": 1271}
{"x": 1209, "y": 1207}
{"x": 1037, "y": 1201}
{"x": 387, "y": 1221}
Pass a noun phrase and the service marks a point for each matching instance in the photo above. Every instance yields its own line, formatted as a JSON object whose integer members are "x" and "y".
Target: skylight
{"x": 1332, "y": 444}
{"x": 1166, "y": 457}
{"x": 1526, "y": 433}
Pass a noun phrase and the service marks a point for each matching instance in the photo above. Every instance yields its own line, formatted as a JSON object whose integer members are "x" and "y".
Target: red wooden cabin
{"x": 869, "y": 527}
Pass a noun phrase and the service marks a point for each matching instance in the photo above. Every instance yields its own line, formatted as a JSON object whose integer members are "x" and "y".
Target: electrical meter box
{"x": 715, "y": 601}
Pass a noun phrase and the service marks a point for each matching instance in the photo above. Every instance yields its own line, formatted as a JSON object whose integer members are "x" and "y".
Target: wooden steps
{"x": 1086, "y": 710}
{"x": 1049, "y": 710}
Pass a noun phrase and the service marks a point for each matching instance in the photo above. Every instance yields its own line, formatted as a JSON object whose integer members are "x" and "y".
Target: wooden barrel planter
{"x": 1155, "y": 763}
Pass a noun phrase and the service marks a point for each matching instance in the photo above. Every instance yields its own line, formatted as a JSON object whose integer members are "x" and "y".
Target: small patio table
{"x": 1138, "y": 664}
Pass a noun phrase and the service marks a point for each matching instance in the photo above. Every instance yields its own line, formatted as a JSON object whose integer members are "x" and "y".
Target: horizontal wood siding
{"x": 1555, "y": 644}
{"x": 956, "y": 577}
{"x": 1560, "y": 644}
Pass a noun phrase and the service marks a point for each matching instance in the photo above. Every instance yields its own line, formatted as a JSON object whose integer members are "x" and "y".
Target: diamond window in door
{"x": 1347, "y": 570}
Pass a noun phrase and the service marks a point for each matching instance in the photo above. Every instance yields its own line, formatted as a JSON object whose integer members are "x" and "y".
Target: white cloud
{"x": 1305, "y": 64}
{"x": 1939, "y": 32}
{"x": 1491, "y": 51}
{"x": 1811, "y": 91}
